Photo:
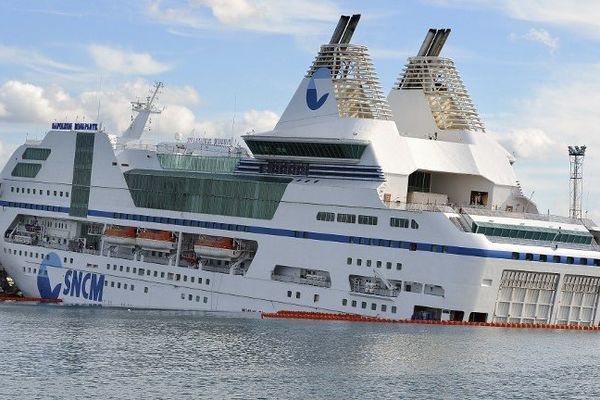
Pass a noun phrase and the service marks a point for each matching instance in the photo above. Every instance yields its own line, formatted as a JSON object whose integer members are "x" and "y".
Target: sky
{"x": 532, "y": 68}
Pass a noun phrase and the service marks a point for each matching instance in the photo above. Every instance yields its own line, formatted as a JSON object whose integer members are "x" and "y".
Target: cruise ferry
{"x": 397, "y": 207}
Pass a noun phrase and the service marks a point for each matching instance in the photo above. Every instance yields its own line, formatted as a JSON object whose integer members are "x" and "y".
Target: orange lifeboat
{"x": 156, "y": 240}
{"x": 216, "y": 248}
{"x": 120, "y": 235}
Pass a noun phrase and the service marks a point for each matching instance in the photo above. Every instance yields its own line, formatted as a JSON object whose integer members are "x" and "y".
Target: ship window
{"x": 583, "y": 261}
{"x": 399, "y": 222}
{"x": 570, "y": 260}
{"x": 207, "y": 281}
{"x": 289, "y": 293}
{"x": 105, "y": 283}
{"x": 182, "y": 296}
{"x": 414, "y": 224}
{"x": 325, "y": 216}
{"x": 197, "y": 299}
{"x": 349, "y": 261}
{"x": 297, "y": 295}
{"x": 353, "y": 303}
{"x": 145, "y": 289}
{"x": 125, "y": 286}
{"x": 419, "y": 181}
{"x": 393, "y": 309}
{"x": 597, "y": 262}
{"x": 379, "y": 263}
{"x": 398, "y": 266}
{"x": 412, "y": 246}
{"x": 112, "y": 284}
{"x": 190, "y": 297}
{"x": 556, "y": 259}
{"x": 528, "y": 256}
{"x": 388, "y": 265}
{"x": 205, "y": 300}
{"x": 367, "y": 220}
{"x": 177, "y": 277}
{"x": 148, "y": 272}
{"x": 373, "y": 306}
{"x": 368, "y": 263}
{"x": 185, "y": 278}
{"x": 346, "y": 218}
{"x": 543, "y": 258}
{"x": 156, "y": 274}
{"x": 316, "y": 298}
{"x": 363, "y": 304}
{"x": 358, "y": 261}
{"x": 344, "y": 302}
{"x": 515, "y": 255}
{"x": 170, "y": 276}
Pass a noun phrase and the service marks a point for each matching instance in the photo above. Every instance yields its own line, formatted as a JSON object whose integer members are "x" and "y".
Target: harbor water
{"x": 57, "y": 352}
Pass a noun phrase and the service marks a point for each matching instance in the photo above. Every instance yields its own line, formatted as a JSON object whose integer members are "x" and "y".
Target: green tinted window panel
{"x": 302, "y": 149}
{"x": 34, "y": 153}
{"x": 206, "y": 193}
{"x": 26, "y": 170}
{"x": 197, "y": 163}
{"x": 82, "y": 174}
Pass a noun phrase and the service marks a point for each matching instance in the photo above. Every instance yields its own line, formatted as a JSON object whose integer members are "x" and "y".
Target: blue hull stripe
{"x": 324, "y": 237}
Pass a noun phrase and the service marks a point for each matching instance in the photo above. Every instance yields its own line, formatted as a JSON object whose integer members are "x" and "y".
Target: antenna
{"x": 99, "y": 97}
{"x": 576, "y": 156}
{"x": 144, "y": 109}
{"x": 233, "y": 119}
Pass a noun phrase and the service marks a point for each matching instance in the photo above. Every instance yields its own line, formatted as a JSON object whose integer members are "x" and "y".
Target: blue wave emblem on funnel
{"x": 46, "y": 290}
{"x": 313, "y": 101}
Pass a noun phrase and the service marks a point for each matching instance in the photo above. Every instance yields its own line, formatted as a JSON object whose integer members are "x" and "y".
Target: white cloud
{"x": 125, "y": 62}
{"x": 557, "y": 114}
{"x": 541, "y": 36}
{"x": 580, "y": 17}
{"x": 33, "y": 60}
{"x": 304, "y": 18}
{"x": 25, "y": 103}
{"x": 531, "y": 143}
{"x": 5, "y": 151}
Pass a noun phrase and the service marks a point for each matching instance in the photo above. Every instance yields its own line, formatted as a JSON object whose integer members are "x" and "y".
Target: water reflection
{"x": 120, "y": 354}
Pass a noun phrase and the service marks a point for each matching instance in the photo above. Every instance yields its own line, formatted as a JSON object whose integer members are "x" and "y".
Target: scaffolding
{"x": 356, "y": 84}
{"x": 444, "y": 89}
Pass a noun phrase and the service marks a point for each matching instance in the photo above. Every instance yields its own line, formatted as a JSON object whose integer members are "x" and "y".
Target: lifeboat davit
{"x": 120, "y": 235}
{"x": 216, "y": 248}
{"x": 156, "y": 240}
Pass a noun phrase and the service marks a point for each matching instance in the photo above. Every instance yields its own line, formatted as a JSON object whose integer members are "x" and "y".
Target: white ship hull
{"x": 324, "y": 215}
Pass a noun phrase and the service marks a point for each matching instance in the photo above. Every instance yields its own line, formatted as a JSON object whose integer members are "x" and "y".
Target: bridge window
{"x": 32, "y": 153}
{"x": 312, "y": 150}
